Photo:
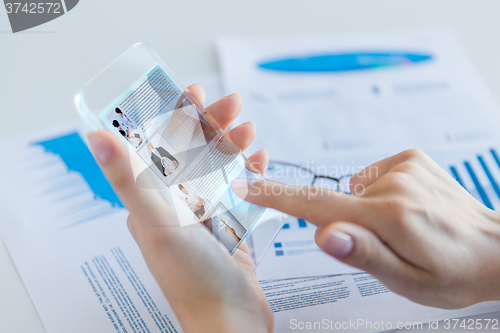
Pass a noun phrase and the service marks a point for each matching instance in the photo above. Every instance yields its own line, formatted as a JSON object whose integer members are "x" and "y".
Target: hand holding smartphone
{"x": 178, "y": 141}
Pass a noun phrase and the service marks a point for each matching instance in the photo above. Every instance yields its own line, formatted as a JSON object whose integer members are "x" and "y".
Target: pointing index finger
{"x": 316, "y": 205}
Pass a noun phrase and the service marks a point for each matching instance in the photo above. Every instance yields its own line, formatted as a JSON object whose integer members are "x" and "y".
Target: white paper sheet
{"x": 351, "y": 303}
{"x": 66, "y": 232}
{"x": 304, "y": 116}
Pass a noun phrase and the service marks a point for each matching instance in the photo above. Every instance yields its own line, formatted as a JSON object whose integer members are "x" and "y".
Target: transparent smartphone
{"x": 140, "y": 100}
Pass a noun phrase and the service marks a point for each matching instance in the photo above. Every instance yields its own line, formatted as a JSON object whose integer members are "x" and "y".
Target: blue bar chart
{"x": 479, "y": 174}
{"x": 69, "y": 178}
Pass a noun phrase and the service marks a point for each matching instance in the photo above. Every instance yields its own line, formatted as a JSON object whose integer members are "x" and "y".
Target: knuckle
{"x": 398, "y": 181}
{"x": 412, "y": 154}
{"x": 417, "y": 156}
{"x": 406, "y": 167}
{"x": 395, "y": 209}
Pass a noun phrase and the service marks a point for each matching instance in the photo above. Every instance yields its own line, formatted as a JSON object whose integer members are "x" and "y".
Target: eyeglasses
{"x": 298, "y": 175}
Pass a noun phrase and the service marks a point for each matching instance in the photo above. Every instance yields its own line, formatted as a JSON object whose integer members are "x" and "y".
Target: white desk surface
{"x": 41, "y": 69}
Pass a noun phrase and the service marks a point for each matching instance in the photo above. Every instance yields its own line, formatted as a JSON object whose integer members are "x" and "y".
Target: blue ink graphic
{"x": 479, "y": 188}
{"x": 343, "y": 62}
{"x": 78, "y": 158}
{"x": 489, "y": 175}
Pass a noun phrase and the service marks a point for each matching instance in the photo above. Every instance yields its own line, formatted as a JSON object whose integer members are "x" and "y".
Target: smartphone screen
{"x": 170, "y": 131}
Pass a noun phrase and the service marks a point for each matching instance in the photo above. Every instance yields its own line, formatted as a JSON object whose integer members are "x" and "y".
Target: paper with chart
{"x": 65, "y": 229}
{"x": 314, "y": 98}
{"x": 294, "y": 252}
{"x": 351, "y": 100}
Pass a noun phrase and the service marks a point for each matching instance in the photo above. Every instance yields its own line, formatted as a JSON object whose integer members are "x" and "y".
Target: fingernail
{"x": 338, "y": 244}
{"x": 100, "y": 146}
{"x": 241, "y": 186}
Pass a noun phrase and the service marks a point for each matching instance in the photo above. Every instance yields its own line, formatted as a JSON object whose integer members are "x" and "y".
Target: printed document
{"x": 315, "y": 97}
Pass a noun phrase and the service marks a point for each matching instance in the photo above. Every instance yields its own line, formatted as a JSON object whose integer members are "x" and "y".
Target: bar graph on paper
{"x": 479, "y": 174}
{"x": 68, "y": 182}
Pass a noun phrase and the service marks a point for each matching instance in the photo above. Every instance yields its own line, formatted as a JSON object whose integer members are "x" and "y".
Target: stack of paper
{"x": 348, "y": 102}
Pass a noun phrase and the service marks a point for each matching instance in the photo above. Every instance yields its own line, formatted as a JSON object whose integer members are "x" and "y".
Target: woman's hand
{"x": 408, "y": 223}
{"x": 207, "y": 288}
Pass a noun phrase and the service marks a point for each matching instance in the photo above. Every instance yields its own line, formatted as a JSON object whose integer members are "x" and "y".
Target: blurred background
{"x": 42, "y": 68}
